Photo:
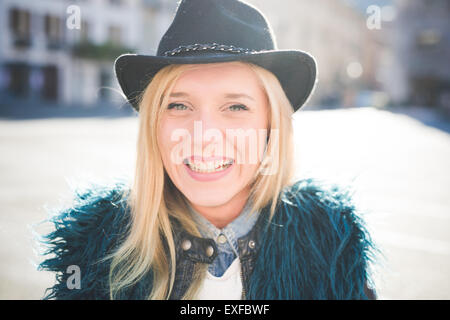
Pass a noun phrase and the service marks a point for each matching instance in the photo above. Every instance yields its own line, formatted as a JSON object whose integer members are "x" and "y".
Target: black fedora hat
{"x": 209, "y": 31}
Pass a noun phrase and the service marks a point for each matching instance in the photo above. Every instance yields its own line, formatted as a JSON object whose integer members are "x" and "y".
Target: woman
{"x": 212, "y": 212}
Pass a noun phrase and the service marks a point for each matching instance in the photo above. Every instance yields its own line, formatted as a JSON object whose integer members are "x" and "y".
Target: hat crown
{"x": 224, "y": 22}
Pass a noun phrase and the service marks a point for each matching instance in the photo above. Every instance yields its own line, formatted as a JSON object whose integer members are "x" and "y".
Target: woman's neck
{"x": 222, "y": 215}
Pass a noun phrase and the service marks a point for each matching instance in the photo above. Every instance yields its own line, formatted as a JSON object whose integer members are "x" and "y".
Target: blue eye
{"x": 176, "y": 106}
{"x": 237, "y": 107}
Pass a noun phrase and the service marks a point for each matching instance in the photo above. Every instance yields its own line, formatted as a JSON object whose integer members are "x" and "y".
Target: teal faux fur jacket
{"x": 316, "y": 246}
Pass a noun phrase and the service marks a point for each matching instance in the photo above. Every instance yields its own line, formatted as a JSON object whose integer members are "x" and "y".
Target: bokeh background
{"x": 379, "y": 120}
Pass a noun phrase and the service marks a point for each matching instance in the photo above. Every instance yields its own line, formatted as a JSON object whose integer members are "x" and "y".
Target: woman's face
{"x": 216, "y": 116}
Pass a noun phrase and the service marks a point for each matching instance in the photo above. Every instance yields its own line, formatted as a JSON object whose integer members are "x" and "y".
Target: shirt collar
{"x": 236, "y": 229}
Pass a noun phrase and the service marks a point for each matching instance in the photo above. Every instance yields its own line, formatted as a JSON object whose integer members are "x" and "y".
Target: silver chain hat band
{"x": 207, "y": 46}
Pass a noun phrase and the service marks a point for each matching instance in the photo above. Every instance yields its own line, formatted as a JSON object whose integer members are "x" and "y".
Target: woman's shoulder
{"x": 322, "y": 200}
{"x": 95, "y": 207}
{"x": 318, "y": 227}
{"x": 324, "y": 215}
{"x": 83, "y": 233}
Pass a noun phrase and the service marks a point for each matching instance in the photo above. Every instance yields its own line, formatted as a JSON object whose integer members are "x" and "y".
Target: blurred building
{"x": 42, "y": 58}
{"x": 45, "y": 56}
{"x": 421, "y": 49}
{"x": 348, "y": 54}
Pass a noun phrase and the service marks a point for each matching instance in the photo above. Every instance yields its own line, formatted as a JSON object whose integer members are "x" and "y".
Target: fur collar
{"x": 316, "y": 246}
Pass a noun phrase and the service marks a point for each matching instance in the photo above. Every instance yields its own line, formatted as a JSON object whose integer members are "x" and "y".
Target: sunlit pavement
{"x": 400, "y": 171}
{"x": 398, "y": 166}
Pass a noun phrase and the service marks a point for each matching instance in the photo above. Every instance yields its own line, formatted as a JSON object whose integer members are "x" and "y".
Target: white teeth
{"x": 209, "y": 166}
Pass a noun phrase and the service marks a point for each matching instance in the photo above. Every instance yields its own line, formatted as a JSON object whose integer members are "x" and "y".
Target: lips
{"x": 208, "y": 165}
{"x": 208, "y": 169}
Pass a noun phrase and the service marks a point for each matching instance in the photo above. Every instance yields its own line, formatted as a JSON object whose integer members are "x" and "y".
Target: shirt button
{"x": 251, "y": 244}
{"x": 209, "y": 251}
{"x": 186, "y": 245}
{"x": 222, "y": 239}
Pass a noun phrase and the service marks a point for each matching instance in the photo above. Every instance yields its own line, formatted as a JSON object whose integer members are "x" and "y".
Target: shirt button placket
{"x": 221, "y": 239}
{"x": 186, "y": 244}
{"x": 209, "y": 251}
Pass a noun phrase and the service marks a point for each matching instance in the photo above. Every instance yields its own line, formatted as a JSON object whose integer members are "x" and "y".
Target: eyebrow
{"x": 227, "y": 95}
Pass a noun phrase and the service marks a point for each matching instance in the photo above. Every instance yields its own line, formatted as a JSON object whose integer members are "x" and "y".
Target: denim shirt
{"x": 226, "y": 239}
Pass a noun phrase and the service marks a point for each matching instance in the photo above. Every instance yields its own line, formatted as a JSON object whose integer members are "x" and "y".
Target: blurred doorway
{"x": 50, "y": 88}
{"x": 18, "y": 78}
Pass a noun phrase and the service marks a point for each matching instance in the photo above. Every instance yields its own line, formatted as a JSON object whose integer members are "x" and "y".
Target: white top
{"x": 226, "y": 287}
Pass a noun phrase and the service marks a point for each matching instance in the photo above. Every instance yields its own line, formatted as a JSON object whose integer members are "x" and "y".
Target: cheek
{"x": 162, "y": 138}
{"x": 165, "y": 142}
{"x": 255, "y": 142}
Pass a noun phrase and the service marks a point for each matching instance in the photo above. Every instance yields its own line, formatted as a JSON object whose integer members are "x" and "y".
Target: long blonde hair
{"x": 153, "y": 198}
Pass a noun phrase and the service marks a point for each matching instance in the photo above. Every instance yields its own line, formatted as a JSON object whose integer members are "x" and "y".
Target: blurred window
{"x": 115, "y": 35}
{"x": 115, "y": 2}
{"x": 105, "y": 83}
{"x": 18, "y": 74}
{"x": 50, "y": 87}
{"x": 84, "y": 32}
{"x": 53, "y": 31}
{"x": 19, "y": 23}
{"x": 428, "y": 38}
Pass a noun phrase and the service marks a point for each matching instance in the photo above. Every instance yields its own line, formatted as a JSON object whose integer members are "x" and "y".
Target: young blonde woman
{"x": 212, "y": 212}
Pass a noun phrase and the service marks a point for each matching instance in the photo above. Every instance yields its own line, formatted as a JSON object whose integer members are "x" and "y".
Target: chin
{"x": 207, "y": 198}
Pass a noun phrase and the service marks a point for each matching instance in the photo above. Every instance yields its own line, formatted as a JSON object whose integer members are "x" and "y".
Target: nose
{"x": 208, "y": 119}
{"x": 208, "y": 134}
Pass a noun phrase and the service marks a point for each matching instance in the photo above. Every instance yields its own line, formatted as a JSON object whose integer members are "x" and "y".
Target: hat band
{"x": 207, "y": 46}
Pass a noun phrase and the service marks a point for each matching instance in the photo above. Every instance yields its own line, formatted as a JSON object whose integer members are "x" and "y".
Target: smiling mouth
{"x": 208, "y": 166}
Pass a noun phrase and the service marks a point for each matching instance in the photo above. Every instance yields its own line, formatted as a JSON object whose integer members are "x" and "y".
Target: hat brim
{"x": 296, "y": 71}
